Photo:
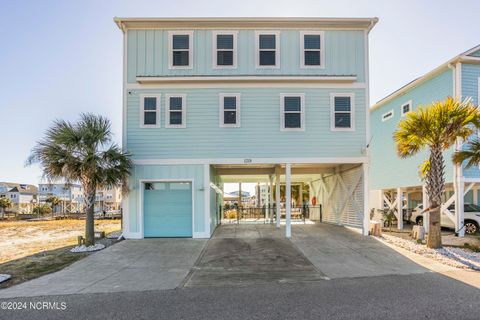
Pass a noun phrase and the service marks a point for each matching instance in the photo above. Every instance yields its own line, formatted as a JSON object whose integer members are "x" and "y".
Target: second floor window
{"x": 175, "y": 113}
{"x": 406, "y": 107}
{"x": 181, "y": 50}
{"x": 150, "y": 111}
{"x": 312, "y": 49}
{"x": 225, "y": 55}
{"x": 229, "y": 110}
{"x": 268, "y": 52}
{"x": 292, "y": 112}
{"x": 342, "y": 112}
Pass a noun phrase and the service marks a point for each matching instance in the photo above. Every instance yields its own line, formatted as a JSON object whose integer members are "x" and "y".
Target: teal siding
{"x": 165, "y": 172}
{"x": 259, "y": 135}
{"x": 387, "y": 169}
{"x": 148, "y": 54}
{"x": 168, "y": 210}
{"x": 475, "y": 54}
{"x": 470, "y": 78}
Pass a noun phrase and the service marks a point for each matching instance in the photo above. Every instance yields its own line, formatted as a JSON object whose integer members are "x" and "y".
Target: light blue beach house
{"x": 215, "y": 100}
{"x": 394, "y": 181}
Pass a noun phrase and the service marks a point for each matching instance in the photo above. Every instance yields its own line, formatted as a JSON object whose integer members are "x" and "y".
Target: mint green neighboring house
{"x": 208, "y": 101}
{"x": 395, "y": 182}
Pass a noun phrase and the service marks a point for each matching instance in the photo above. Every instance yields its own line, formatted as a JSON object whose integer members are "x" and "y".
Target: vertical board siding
{"x": 259, "y": 135}
{"x": 387, "y": 169}
{"x": 176, "y": 172}
{"x": 148, "y": 54}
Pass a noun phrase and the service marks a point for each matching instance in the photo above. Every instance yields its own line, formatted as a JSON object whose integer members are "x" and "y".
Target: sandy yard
{"x": 23, "y": 238}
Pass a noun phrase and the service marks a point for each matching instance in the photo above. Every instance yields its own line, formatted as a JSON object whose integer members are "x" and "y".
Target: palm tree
{"x": 53, "y": 201}
{"x": 435, "y": 127}
{"x": 83, "y": 152}
{"x": 5, "y": 203}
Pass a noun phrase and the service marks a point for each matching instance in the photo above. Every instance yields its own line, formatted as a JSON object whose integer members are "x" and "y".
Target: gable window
{"x": 268, "y": 52}
{"x": 312, "y": 49}
{"x": 406, "y": 108}
{"x": 229, "y": 110}
{"x": 387, "y": 115}
{"x": 149, "y": 111}
{"x": 292, "y": 112}
{"x": 225, "y": 49}
{"x": 342, "y": 109}
{"x": 175, "y": 112}
{"x": 181, "y": 49}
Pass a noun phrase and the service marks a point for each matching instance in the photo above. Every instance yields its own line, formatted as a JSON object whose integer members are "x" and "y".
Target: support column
{"x": 426, "y": 205}
{"x": 399, "y": 209}
{"x": 239, "y": 195}
{"x": 270, "y": 198}
{"x": 288, "y": 200}
{"x": 277, "y": 195}
{"x": 459, "y": 205}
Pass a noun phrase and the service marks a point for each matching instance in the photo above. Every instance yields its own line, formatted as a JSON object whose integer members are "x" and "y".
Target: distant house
{"x": 108, "y": 199}
{"x": 70, "y": 195}
{"x": 22, "y": 195}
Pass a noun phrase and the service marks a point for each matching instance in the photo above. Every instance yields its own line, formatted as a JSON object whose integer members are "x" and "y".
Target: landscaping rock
{"x": 83, "y": 248}
{"x": 4, "y": 277}
{"x": 455, "y": 257}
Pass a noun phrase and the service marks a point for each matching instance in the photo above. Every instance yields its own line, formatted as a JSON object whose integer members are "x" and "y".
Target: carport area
{"x": 293, "y": 192}
{"x": 240, "y": 255}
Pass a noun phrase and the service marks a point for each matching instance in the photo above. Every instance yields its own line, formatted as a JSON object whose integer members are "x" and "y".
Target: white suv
{"x": 471, "y": 217}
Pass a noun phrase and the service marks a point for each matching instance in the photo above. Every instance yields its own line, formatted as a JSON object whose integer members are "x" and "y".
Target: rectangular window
{"x": 175, "y": 111}
{"x": 342, "y": 109}
{"x": 224, "y": 49}
{"x": 312, "y": 49}
{"x": 150, "y": 111}
{"x": 268, "y": 49}
{"x": 181, "y": 51}
{"x": 229, "y": 109}
{"x": 406, "y": 108}
{"x": 292, "y": 112}
{"x": 387, "y": 115}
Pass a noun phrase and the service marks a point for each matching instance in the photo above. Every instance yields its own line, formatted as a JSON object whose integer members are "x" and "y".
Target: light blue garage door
{"x": 167, "y": 209}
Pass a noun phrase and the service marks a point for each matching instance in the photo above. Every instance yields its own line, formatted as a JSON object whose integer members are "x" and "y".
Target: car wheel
{"x": 471, "y": 227}
{"x": 420, "y": 221}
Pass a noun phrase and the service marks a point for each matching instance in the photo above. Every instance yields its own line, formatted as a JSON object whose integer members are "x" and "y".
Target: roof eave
{"x": 215, "y": 22}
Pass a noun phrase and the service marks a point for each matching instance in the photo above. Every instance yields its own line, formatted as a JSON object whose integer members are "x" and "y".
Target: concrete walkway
{"x": 131, "y": 265}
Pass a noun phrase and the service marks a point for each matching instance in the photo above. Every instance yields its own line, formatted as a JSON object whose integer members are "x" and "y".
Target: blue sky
{"x": 60, "y": 58}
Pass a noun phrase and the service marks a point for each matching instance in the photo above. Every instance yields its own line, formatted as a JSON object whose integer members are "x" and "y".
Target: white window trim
{"x": 277, "y": 49}
{"x": 322, "y": 49}
{"x": 332, "y": 111}
{"x": 409, "y": 102}
{"x": 142, "y": 110}
{"x": 184, "y": 110}
{"x": 221, "y": 110}
{"x": 392, "y": 113}
{"x": 282, "y": 111}
{"x": 214, "y": 48}
{"x": 190, "y": 49}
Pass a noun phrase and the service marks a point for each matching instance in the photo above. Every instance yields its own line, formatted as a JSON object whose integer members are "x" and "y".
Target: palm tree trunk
{"x": 90, "y": 223}
{"x": 435, "y": 186}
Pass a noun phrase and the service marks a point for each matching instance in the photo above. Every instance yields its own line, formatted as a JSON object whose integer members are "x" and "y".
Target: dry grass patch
{"x": 25, "y": 238}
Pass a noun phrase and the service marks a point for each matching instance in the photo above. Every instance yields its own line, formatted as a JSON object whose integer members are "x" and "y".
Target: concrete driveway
{"x": 132, "y": 265}
{"x": 237, "y": 255}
